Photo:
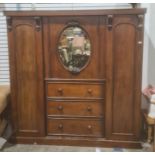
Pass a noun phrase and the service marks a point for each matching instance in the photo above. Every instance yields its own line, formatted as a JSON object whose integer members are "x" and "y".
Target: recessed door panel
{"x": 77, "y": 55}
{"x": 27, "y": 53}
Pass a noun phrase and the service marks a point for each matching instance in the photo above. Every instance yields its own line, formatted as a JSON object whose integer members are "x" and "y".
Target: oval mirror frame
{"x": 74, "y": 48}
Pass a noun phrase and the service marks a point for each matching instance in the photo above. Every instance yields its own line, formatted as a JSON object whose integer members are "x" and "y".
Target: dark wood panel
{"x": 75, "y": 127}
{"x": 76, "y": 141}
{"x": 75, "y": 90}
{"x": 138, "y": 77}
{"x": 124, "y": 61}
{"x": 55, "y": 69}
{"x": 26, "y": 71}
{"x": 29, "y": 79}
{"x": 75, "y": 12}
{"x": 123, "y": 72}
{"x": 80, "y": 81}
{"x": 109, "y": 81}
{"x": 124, "y": 34}
{"x": 75, "y": 108}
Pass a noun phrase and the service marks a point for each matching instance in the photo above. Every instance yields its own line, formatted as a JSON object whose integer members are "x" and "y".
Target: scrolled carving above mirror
{"x": 74, "y": 48}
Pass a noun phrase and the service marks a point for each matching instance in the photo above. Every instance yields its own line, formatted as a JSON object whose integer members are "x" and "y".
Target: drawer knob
{"x": 60, "y": 107}
{"x": 89, "y": 127}
{"x": 60, "y": 126}
{"x": 90, "y": 91}
{"x": 60, "y": 90}
{"x": 89, "y": 108}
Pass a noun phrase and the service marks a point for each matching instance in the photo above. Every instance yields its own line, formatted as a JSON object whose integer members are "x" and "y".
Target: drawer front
{"x": 76, "y": 108}
{"x": 75, "y": 90}
{"x": 75, "y": 127}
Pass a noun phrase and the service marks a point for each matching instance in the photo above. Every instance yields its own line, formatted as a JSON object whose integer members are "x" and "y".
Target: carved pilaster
{"x": 38, "y": 23}
{"x": 140, "y": 22}
{"x": 109, "y": 22}
{"x": 9, "y": 23}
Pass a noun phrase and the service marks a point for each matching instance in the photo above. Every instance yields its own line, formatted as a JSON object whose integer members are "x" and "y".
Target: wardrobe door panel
{"x": 123, "y": 78}
{"x": 27, "y": 50}
{"x": 124, "y": 108}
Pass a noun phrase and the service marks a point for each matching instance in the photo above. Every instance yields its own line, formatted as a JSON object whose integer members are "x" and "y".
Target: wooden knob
{"x": 60, "y": 90}
{"x": 60, "y": 126}
{"x": 89, "y": 127}
{"x": 89, "y": 108}
{"x": 60, "y": 107}
{"x": 90, "y": 91}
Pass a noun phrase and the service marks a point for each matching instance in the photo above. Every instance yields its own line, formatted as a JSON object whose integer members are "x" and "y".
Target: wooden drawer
{"x": 75, "y": 127}
{"x": 76, "y": 108}
{"x": 75, "y": 90}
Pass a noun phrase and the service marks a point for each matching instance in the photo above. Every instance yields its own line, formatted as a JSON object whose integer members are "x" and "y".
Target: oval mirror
{"x": 74, "y": 48}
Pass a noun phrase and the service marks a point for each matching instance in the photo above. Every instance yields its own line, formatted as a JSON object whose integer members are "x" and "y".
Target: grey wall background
{"x": 149, "y": 46}
{"x": 149, "y": 36}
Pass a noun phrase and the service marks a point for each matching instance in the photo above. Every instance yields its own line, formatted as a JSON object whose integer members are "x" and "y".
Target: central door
{"x": 75, "y": 75}
{"x": 56, "y": 26}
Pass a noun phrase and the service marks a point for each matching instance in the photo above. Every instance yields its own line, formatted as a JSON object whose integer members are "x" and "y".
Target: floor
{"x": 51, "y": 148}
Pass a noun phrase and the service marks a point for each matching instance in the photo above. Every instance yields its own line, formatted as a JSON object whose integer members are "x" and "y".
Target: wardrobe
{"x": 76, "y": 76}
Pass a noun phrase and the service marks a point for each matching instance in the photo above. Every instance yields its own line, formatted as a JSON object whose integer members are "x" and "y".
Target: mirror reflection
{"x": 74, "y": 48}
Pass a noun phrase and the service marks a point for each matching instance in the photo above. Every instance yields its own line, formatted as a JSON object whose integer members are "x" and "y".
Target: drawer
{"x": 76, "y": 108}
{"x": 75, "y": 127}
{"x": 75, "y": 90}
